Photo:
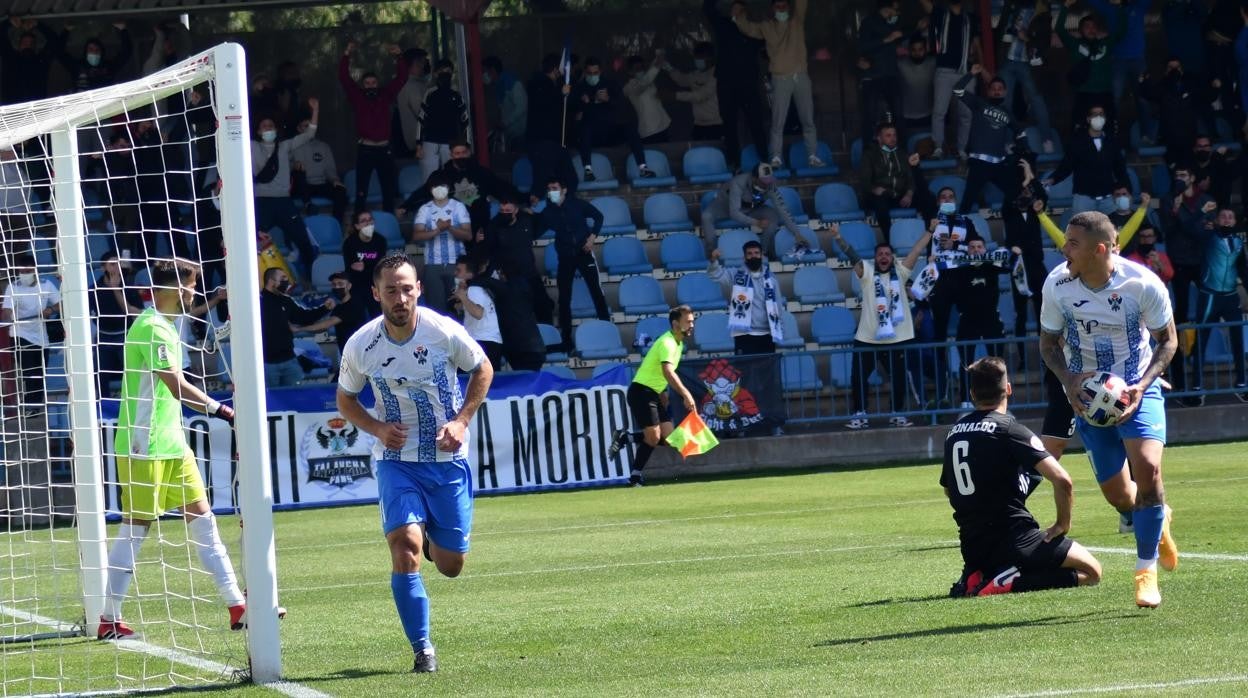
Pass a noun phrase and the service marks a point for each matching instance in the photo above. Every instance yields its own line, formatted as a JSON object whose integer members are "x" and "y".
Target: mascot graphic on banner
{"x": 727, "y": 404}
{"x": 336, "y": 456}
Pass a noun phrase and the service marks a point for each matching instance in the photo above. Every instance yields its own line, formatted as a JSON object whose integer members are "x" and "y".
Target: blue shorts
{"x": 1104, "y": 444}
{"x": 438, "y": 495}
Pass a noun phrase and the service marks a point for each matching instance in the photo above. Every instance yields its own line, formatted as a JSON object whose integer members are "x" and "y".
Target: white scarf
{"x": 743, "y": 298}
{"x": 889, "y": 310}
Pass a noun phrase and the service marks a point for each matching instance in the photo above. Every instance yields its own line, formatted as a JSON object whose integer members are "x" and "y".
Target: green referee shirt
{"x": 665, "y": 350}
{"x": 149, "y": 424}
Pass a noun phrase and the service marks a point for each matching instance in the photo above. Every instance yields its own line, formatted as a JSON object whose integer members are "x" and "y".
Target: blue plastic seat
{"x": 624, "y": 255}
{"x": 723, "y": 223}
{"x": 387, "y": 226}
{"x": 322, "y": 267}
{"x": 1036, "y": 139}
{"x": 521, "y": 174}
{"x": 750, "y": 160}
{"x": 550, "y": 335}
{"x": 700, "y": 292}
{"x": 599, "y": 339}
{"x": 861, "y": 237}
{"x": 56, "y": 378}
{"x": 550, "y": 261}
{"x": 837, "y": 202}
{"x": 1052, "y": 258}
{"x": 905, "y": 233}
{"x": 642, "y": 295}
{"x": 711, "y": 334}
{"x": 940, "y": 164}
{"x": 1161, "y": 180}
{"x": 730, "y": 244}
{"x": 1217, "y": 351}
{"x": 706, "y": 165}
{"x": 561, "y": 371}
{"x": 604, "y": 173}
{"x": 855, "y": 154}
{"x": 832, "y": 325}
{"x": 682, "y": 252}
{"x": 793, "y": 202}
{"x": 616, "y": 218}
{"x": 666, "y": 213}
{"x": 816, "y": 286}
{"x": 649, "y": 329}
{"x": 657, "y": 162}
{"x": 1137, "y": 142}
{"x": 1225, "y": 136}
{"x": 582, "y": 303}
{"x": 798, "y": 158}
{"x": 308, "y": 349}
{"x": 326, "y": 232}
{"x": 786, "y": 242}
{"x": 798, "y": 373}
{"x": 374, "y": 187}
{"x": 954, "y": 182}
{"x": 1061, "y": 194}
{"x": 792, "y": 336}
{"x": 411, "y": 177}
{"x": 842, "y": 369}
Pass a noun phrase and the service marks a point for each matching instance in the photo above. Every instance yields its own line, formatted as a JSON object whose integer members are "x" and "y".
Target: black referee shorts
{"x": 646, "y": 406}
{"x": 1059, "y": 417}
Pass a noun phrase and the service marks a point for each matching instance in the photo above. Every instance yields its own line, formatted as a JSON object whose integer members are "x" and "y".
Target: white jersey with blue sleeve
{"x": 415, "y": 383}
{"x": 1107, "y": 328}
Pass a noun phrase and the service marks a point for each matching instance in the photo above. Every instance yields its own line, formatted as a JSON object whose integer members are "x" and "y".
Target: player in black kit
{"x": 992, "y": 463}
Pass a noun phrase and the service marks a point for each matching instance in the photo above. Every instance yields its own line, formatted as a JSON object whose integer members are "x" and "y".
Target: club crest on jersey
{"x": 1115, "y": 302}
{"x": 421, "y": 354}
{"x": 335, "y": 454}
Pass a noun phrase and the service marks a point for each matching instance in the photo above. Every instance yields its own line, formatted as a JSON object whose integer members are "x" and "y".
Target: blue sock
{"x": 1148, "y": 523}
{"x": 413, "y": 605}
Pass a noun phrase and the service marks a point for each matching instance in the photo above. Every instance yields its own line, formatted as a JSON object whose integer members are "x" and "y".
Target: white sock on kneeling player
{"x": 215, "y": 558}
{"x": 121, "y": 567}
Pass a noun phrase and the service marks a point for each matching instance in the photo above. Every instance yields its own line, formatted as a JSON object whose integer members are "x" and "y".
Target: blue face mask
{"x": 888, "y": 148}
{"x": 782, "y": 17}
{"x": 948, "y": 208}
{"x": 591, "y": 80}
{"x": 699, "y": 63}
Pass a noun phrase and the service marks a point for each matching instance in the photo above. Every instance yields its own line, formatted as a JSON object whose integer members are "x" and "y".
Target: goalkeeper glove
{"x": 221, "y": 411}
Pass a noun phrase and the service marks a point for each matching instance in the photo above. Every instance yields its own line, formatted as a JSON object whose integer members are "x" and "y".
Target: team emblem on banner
{"x": 726, "y": 399}
{"x": 734, "y": 394}
{"x": 336, "y": 453}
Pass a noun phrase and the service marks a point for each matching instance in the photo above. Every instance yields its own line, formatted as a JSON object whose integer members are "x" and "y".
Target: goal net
{"x": 96, "y": 189}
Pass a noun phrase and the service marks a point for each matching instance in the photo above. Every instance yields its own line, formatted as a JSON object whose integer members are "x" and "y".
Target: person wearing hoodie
{"x": 652, "y": 119}
{"x": 93, "y": 68}
{"x": 24, "y": 71}
{"x": 316, "y": 173}
{"x": 372, "y": 103}
{"x": 991, "y": 140}
{"x": 412, "y": 96}
{"x": 443, "y": 120}
{"x": 362, "y": 249}
{"x": 699, "y": 89}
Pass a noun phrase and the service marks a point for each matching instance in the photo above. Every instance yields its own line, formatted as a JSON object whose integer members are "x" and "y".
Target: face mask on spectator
{"x": 888, "y": 148}
{"x": 1226, "y": 230}
{"x": 268, "y": 136}
{"x": 509, "y": 212}
{"x": 284, "y": 286}
{"x": 754, "y": 263}
{"x": 1180, "y": 185}
{"x": 366, "y": 232}
{"x": 340, "y": 293}
{"x": 1123, "y": 203}
{"x": 699, "y": 63}
{"x": 444, "y": 80}
{"x": 440, "y": 193}
{"x": 892, "y": 19}
{"x": 555, "y": 196}
{"x": 948, "y": 208}
{"x": 26, "y": 279}
{"x": 592, "y": 80}
{"x": 1145, "y": 249}
{"x": 93, "y": 59}
{"x": 486, "y": 79}
{"x": 371, "y": 92}
{"x": 782, "y": 17}
{"x": 1097, "y": 123}
{"x": 1204, "y": 155}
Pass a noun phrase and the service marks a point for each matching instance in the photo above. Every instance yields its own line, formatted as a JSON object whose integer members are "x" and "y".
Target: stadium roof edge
{"x": 79, "y": 9}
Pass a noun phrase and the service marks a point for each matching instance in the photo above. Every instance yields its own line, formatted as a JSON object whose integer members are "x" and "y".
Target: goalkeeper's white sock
{"x": 121, "y": 567}
{"x": 215, "y": 558}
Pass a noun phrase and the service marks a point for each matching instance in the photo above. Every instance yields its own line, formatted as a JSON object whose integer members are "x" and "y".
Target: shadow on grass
{"x": 1091, "y": 617}
{"x": 343, "y": 674}
{"x": 908, "y": 599}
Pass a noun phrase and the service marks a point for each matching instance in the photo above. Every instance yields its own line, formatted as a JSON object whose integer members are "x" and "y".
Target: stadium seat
{"x": 604, "y": 173}
{"x": 599, "y": 339}
{"x": 981, "y": 226}
{"x": 616, "y": 218}
{"x": 855, "y": 154}
{"x": 622, "y": 256}
{"x": 411, "y": 177}
{"x": 904, "y": 233}
{"x": 649, "y": 329}
{"x": 642, "y": 295}
{"x": 326, "y": 232}
{"x": 837, "y": 202}
{"x": 798, "y": 157}
{"x": 658, "y": 164}
{"x": 730, "y": 244}
{"x": 1052, "y": 258}
{"x": 682, "y": 252}
{"x": 550, "y": 335}
{"x": 308, "y": 349}
{"x": 793, "y": 202}
{"x": 388, "y": 227}
{"x": 798, "y": 373}
{"x": 1225, "y": 136}
{"x": 322, "y": 267}
{"x": 700, "y": 292}
{"x": 723, "y": 223}
{"x": 1036, "y": 139}
{"x": 952, "y": 181}
{"x": 786, "y": 244}
{"x": 816, "y": 286}
{"x": 582, "y": 304}
{"x": 92, "y": 205}
{"x": 861, "y": 237}
{"x": 374, "y": 187}
{"x": 611, "y": 366}
{"x": 833, "y": 325}
{"x": 1161, "y": 180}
{"x": 929, "y": 164}
{"x": 521, "y": 174}
{"x": 792, "y": 336}
{"x": 56, "y": 379}
{"x": 842, "y": 369}
{"x": 1217, "y": 351}
{"x": 706, "y": 165}
{"x": 666, "y": 213}
{"x": 560, "y": 371}
{"x": 1133, "y": 180}
{"x": 1137, "y": 143}
{"x": 711, "y": 335}
{"x": 750, "y": 160}
{"x": 550, "y": 261}
{"x": 1061, "y": 194}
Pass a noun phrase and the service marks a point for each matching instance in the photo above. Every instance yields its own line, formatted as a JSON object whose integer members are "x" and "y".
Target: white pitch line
{"x": 294, "y": 690}
{"x": 1182, "y": 555}
{"x": 1123, "y": 688}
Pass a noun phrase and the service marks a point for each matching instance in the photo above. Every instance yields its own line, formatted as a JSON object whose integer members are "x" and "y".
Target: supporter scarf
{"x": 743, "y": 297}
{"x": 888, "y": 306}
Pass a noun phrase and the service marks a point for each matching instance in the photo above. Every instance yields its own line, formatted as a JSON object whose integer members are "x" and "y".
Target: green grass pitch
{"x": 813, "y": 584}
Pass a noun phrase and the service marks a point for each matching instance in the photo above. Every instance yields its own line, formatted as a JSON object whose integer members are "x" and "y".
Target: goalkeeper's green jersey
{"x": 149, "y": 424}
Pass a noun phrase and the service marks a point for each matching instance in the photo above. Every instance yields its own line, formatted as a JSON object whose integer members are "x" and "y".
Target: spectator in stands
{"x": 1218, "y": 297}
{"x": 993, "y": 135}
{"x": 878, "y": 38}
{"x": 1190, "y": 222}
{"x": 918, "y": 75}
{"x": 362, "y": 249}
{"x": 954, "y": 34}
{"x": 93, "y": 68}
{"x": 28, "y": 304}
{"x": 1091, "y": 61}
{"x": 169, "y": 47}
{"x": 513, "y": 101}
{"x": 576, "y": 225}
{"x": 700, "y": 90}
{"x": 948, "y": 232}
{"x": 412, "y": 96}
{"x": 372, "y": 103}
{"x": 348, "y": 314}
{"x": 1145, "y": 252}
{"x": 121, "y": 192}
{"x": 1027, "y": 31}
{"x": 263, "y": 96}
{"x": 15, "y": 200}
{"x": 1214, "y": 169}
{"x": 444, "y": 225}
{"x": 270, "y": 168}
{"x": 756, "y": 303}
{"x": 604, "y": 118}
{"x": 316, "y": 173}
{"x": 279, "y": 314}
{"x": 1126, "y": 17}
{"x": 154, "y": 180}
{"x": 736, "y": 61}
{"x": 548, "y": 97}
{"x": 976, "y": 297}
{"x": 471, "y": 184}
{"x": 885, "y": 177}
{"x": 479, "y": 313}
{"x": 785, "y": 36}
{"x": 286, "y": 93}
{"x": 24, "y": 71}
{"x": 115, "y": 301}
{"x": 1182, "y": 102}
{"x": 522, "y": 343}
{"x": 882, "y": 335}
{"x": 652, "y": 119}
{"x": 443, "y": 120}
{"x": 1095, "y": 159}
{"x": 508, "y": 246}
{"x": 750, "y": 199}
{"x": 1023, "y": 231}
{"x": 1127, "y": 217}
{"x": 1184, "y": 24}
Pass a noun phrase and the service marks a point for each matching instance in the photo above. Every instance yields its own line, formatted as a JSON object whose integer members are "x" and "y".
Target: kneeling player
{"x": 992, "y": 463}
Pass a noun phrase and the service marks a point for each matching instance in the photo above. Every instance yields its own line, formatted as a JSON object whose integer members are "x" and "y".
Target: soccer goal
{"x": 95, "y": 189}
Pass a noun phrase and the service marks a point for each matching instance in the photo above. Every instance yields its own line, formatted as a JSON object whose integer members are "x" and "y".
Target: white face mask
{"x": 948, "y": 207}
{"x": 782, "y": 16}
{"x": 93, "y": 59}
{"x": 1123, "y": 202}
{"x": 1097, "y": 123}
{"x": 440, "y": 193}
{"x": 366, "y": 233}
{"x": 268, "y": 136}
{"x": 555, "y": 196}
{"x": 27, "y": 279}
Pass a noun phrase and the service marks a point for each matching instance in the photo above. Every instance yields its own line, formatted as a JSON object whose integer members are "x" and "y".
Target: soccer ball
{"x": 1105, "y": 396}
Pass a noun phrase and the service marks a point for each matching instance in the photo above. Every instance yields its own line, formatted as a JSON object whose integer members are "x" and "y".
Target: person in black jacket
{"x": 1182, "y": 103}
{"x": 93, "y": 68}
{"x": 878, "y": 38}
{"x": 443, "y": 120}
{"x": 1096, "y": 161}
{"x": 993, "y": 133}
{"x": 278, "y": 312}
{"x": 24, "y": 73}
{"x": 508, "y": 248}
{"x": 547, "y": 95}
{"x": 1021, "y": 216}
{"x": 574, "y": 245}
{"x": 604, "y": 117}
{"x": 471, "y": 184}
{"x": 737, "y": 87}
{"x": 362, "y": 249}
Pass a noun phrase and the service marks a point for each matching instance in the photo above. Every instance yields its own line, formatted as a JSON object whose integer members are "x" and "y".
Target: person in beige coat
{"x": 701, "y": 91}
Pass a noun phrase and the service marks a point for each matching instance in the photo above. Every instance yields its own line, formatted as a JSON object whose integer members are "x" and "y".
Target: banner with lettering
{"x": 534, "y": 432}
{"x": 735, "y": 394}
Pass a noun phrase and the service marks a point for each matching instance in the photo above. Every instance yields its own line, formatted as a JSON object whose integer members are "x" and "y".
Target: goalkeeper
{"x": 155, "y": 466}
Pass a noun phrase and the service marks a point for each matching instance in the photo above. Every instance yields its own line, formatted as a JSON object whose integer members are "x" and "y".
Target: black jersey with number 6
{"x": 990, "y": 469}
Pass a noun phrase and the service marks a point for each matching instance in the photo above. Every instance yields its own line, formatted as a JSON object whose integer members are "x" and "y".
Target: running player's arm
{"x": 466, "y": 355}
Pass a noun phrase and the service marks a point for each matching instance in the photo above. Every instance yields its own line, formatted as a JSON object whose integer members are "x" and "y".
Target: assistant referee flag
{"x": 692, "y": 436}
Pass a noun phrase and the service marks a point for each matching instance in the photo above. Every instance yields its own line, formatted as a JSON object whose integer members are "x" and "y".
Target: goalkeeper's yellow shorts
{"x": 150, "y": 487}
